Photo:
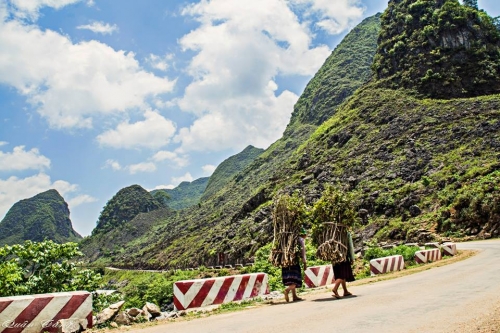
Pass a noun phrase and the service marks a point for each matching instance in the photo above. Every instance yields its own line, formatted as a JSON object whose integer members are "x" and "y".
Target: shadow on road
{"x": 327, "y": 299}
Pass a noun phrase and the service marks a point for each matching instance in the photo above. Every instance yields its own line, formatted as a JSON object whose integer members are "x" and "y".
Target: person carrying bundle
{"x": 342, "y": 271}
{"x": 292, "y": 275}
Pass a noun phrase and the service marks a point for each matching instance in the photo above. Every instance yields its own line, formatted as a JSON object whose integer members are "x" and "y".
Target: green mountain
{"x": 186, "y": 194}
{"x": 124, "y": 206}
{"x": 419, "y": 168}
{"x": 236, "y": 218}
{"x": 44, "y": 216}
{"x": 229, "y": 168}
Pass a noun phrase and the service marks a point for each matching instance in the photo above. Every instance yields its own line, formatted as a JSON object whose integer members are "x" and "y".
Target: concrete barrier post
{"x": 386, "y": 264}
{"x": 202, "y": 292}
{"x": 42, "y": 313}
{"x": 421, "y": 257}
{"x": 449, "y": 249}
{"x": 318, "y": 276}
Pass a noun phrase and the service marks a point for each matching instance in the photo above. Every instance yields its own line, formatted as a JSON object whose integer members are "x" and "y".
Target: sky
{"x": 98, "y": 95}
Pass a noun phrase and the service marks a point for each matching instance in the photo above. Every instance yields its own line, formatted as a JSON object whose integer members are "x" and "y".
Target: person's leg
{"x": 336, "y": 287}
{"x": 294, "y": 294}
{"x": 287, "y": 291}
{"x": 344, "y": 286}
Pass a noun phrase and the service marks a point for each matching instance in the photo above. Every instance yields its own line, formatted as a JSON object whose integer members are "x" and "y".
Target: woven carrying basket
{"x": 333, "y": 242}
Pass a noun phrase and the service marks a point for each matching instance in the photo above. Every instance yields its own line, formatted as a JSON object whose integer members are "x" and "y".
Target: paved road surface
{"x": 442, "y": 299}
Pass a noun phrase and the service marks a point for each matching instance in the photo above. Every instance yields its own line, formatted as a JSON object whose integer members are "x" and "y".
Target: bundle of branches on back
{"x": 288, "y": 216}
{"x": 332, "y": 215}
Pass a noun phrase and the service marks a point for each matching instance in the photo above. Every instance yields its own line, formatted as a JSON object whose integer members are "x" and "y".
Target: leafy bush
{"x": 408, "y": 253}
{"x": 43, "y": 267}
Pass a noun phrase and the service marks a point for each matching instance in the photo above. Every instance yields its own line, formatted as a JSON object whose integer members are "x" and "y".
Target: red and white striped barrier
{"x": 386, "y": 264}
{"x": 202, "y": 292}
{"x": 41, "y": 313}
{"x": 318, "y": 276}
{"x": 421, "y": 257}
{"x": 449, "y": 249}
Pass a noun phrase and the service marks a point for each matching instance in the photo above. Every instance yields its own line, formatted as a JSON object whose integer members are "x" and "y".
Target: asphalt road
{"x": 451, "y": 298}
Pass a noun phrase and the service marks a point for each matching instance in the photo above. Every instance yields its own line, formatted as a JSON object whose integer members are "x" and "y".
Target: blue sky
{"x": 97, "y": 95}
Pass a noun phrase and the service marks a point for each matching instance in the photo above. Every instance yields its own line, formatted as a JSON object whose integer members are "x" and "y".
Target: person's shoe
{"x": 347, "y": 294}
{"x": 296, "y": 299}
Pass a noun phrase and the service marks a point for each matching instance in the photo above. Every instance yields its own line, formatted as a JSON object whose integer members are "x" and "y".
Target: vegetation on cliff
{"x": 229, "y": 168}
{"x": 124, "y": 206}
{"x": 441, "y": 49}
{"x": 185, "y": 195}
{"x": 44, "y": 216}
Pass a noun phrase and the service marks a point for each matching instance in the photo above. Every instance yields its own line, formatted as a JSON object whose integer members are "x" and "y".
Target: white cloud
{"x": 81, "y": 199}
{"x": 160, "y": 63}
{"x": 14, "y": 189}
{"x": 162, "y": 187}
{"x": 30, "y": 8}
{"x": 70, "y": 84}
{"x": 99, "y": 27}
{"x": 180, "y": 161}
{"x": 115, "y": 165}
{"x": 208, "y": 169}
{"x": 154, "y": 132}
{"x": 20, "y": 159}
{"x": 3, "y": 143}
{"x": 185, "y": 178}
{"x": 141, "y": 167}
{"x": 334, "y": 18}
{"x": 241, "y": 47}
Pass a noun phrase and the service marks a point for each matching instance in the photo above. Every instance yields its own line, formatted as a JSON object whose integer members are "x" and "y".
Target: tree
{"x": 43, "y": 267}
{"x": 471, "y": 3}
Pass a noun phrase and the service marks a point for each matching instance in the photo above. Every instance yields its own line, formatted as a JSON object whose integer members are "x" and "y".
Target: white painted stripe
{"x": 264, "y": 286}
{"x": 231, "y": 292}
{"x": 48, "y": 312}
{"x": 192, "y": 292}
{"x": 14, "y": 309}
{"x": 212, "y": 294}
{"x": 310, "y": 275}
{"x": 249, "y": 287}
{"x": 84, "y": 309}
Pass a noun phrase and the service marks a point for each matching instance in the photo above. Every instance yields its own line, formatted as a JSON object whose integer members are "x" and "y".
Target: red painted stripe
{"x": 178, "y": 304}
{"x": 29, "y": 313}
{"x": 183, "y": 286}
{"x": 202, "y": 294}
{"x": 308, "y": 282}
{"x": 90, "y": 320}
{"x": 241, "y": 288}
{"x": 374, "y": 270}
{"x": 67, "y": 311}
{"x": 257, "y": 285}
{"x": 324, "y": 277}
{"x": 393, "y": 264}
{"x": 386, "y": 263}
{"x": 4, "y": 305}
{"x": 221, "y": 295}
{"x": 400, "y": 262}
{"x": 315, "y": 270}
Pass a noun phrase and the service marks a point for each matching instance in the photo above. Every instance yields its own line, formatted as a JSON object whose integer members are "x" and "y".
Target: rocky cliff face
{"x": 44, "y": 216}
{"x": 440, "y": 49}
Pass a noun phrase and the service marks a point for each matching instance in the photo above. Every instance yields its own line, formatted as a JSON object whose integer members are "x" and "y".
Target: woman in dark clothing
{"x": 342, "y": 271}
{"x": 292, "y": 275}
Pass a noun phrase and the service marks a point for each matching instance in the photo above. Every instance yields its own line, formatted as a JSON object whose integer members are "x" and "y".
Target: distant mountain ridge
{"x": 186, "y": 194}
{"x": 42, "y": 217}
{"x": 230, "y": 167}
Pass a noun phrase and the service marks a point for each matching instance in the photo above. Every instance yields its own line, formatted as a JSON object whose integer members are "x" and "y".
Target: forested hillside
{"x": 44, "y": 216}
{"x": 236, "y": 219}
